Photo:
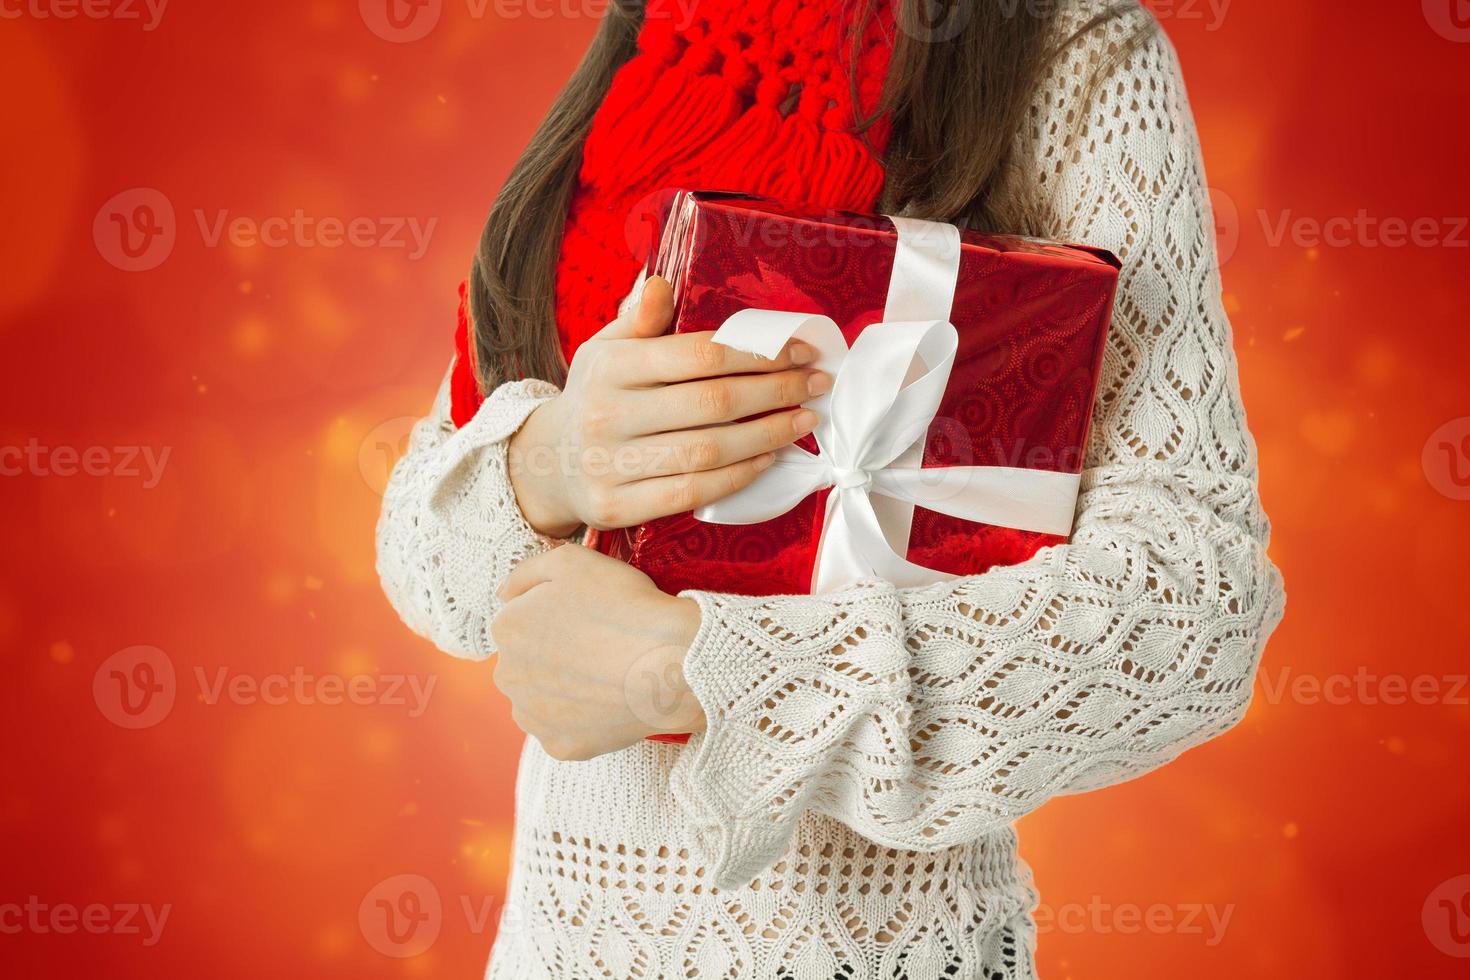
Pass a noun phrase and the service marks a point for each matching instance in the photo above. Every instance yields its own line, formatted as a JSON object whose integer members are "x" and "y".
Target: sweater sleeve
{"x": 450, "y": 529}
{"x": 924, "y": 718}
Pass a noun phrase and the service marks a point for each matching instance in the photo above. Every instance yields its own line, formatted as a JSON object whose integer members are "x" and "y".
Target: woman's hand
{"x": 646, "y": 424}
{"x": 590, "y": 653}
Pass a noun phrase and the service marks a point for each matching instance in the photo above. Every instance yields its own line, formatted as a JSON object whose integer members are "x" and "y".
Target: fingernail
{"x": 818, "y": 383}
{"x": 764, "y": 461}
{"x": 804, "y": 421}
{"x": 802, "y": 354}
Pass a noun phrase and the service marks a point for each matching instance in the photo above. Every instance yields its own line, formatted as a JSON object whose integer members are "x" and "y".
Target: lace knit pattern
{"x": 450, "y": 530}
{"x": 847, "y": 812}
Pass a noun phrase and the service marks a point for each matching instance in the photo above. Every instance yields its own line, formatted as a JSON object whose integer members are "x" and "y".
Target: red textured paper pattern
{"x": 1032, "y": 319}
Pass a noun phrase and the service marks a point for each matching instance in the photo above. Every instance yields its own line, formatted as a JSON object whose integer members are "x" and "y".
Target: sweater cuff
{"x": 498, "y": 418}
{"x": 720, "y": 771}
{"x": 506, "y": 410}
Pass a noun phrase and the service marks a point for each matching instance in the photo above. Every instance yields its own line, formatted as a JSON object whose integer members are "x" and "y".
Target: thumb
{"x": 531, "y": 572}
{"x": 654, "y": 312}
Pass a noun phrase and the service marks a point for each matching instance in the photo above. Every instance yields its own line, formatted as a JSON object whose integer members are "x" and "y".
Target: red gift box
{"x": 1011, "y": 386}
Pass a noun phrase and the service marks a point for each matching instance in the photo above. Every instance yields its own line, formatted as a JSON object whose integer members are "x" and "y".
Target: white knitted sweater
{"x": 848, "y": 812}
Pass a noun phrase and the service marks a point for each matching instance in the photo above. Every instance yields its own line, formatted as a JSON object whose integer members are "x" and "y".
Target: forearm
{"x": 926, "y": 717}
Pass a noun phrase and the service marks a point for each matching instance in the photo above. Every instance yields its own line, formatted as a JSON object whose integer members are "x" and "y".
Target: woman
{"x": 845, "y": 806}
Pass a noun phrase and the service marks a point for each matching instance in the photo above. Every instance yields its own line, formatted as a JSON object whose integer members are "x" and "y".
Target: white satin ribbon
{"x": 872, "y": 427}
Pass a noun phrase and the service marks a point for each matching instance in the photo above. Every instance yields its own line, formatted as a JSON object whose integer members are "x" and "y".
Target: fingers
{"x": 693, "y": 450}
{"x": 666, "y": 495}
{"x": 689, "y": 356}
{"x": 699, "y": 403}
{"x": 651, "y": 318}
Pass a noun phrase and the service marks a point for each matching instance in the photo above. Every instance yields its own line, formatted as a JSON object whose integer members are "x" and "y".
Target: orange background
{"x": 281, "y": 380}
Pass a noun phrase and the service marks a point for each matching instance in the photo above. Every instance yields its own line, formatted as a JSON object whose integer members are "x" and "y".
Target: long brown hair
{"x": 960, "y": 80}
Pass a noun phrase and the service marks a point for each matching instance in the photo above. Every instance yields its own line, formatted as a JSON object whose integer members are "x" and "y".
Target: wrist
{"x": 684, "y": 618}
{"x": 534, "y": 476}
{"x": 660, "y": 695}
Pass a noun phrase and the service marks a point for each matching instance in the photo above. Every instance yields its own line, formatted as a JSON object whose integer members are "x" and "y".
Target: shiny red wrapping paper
{"x": 1032, "y": 318}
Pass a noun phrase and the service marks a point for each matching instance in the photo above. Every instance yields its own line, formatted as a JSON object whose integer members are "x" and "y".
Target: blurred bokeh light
{"x": 241, "y": 394}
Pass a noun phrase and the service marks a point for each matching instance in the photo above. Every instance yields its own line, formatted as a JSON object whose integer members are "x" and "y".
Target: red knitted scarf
{"x": 740, "y": 95}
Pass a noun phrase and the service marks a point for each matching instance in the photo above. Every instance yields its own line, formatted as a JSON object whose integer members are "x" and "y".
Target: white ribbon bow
{"x": 872, "y": 427}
